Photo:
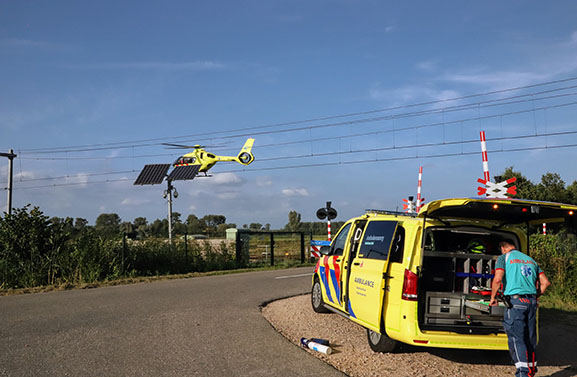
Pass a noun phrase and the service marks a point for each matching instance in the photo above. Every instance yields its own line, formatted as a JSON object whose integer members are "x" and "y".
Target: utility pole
{"x": 10, "y": 155}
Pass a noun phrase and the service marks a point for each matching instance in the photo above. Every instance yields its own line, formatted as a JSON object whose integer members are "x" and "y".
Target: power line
{"x": 426, "y": 145}
{"x": 414, "y": 146}
{"x": 78, "y": 176}
{"x": 365, "y": 120}
{"x": 401, "y": 158}
{"x": 147, "y": 142}
{"x": 462, "y": 153}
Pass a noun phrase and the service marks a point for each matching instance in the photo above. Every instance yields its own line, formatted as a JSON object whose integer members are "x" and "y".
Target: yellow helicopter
{"x": 207, "y": 160}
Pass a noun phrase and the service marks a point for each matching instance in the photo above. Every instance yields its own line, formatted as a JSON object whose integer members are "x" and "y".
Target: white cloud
{"x": 229, "y": 195}
{"x": 263, "y": 181}
{"x": 497, "y": 79}
{"x": 134, "y": 202}
{"x": 295, "y": 192}
{"x": 427, "y": 66}
{"x": 551, "y": 61}
{"x": 200, "y": 65}
{"x": 390, "y": 29}
{"x": 81, "y": 178}
{"x": 26, "y": 43}
{"x": 24, "y": 175}
{"x": 220, "y": 179}
{"x": 411, "y": 93}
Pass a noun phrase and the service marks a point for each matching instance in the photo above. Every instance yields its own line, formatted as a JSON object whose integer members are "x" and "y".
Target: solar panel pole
{"x": 169, "y": 194}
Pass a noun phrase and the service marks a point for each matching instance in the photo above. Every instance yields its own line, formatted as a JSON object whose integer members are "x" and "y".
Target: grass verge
{"x": 141, "y": 279}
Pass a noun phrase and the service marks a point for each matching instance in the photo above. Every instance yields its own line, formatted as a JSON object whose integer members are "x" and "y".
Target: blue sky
{"x": 133, "y": 74}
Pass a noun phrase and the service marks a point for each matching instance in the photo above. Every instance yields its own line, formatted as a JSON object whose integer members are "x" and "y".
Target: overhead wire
{"x": 461, "y": 153}
{"x": 416, "y": 127}
{"x": 147, "y": 142}
{"x": 359, "y": 121}
{"x": 517, "y": 99}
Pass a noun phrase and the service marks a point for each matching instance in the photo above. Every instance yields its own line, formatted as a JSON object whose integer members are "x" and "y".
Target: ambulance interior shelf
{"x": 457, "y": 271}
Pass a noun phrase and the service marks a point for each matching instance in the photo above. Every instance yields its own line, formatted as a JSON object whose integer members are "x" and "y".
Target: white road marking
{"x": 293, "y": 276}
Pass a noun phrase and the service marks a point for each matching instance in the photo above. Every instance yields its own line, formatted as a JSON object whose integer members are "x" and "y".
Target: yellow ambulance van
{"x": 425, "y": 279}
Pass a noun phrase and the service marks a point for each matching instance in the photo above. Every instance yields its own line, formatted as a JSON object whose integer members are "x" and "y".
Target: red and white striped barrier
{"x": 316, "y": 247}
{"x": 411, "y": 206}
{"x": 486, "y": 174}
{"x": 315, "y": 251}
{"x": 419, "y": 200}
{"x": 329, "y": 230}
{"x": 491, "y": 189}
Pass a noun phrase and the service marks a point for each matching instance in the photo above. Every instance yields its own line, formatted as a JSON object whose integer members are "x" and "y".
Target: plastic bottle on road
{"x": 316, "y": 346}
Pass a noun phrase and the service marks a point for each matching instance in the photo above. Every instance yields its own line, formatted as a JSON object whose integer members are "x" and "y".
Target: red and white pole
{"x": 329, "y": 229}
{"x": 486, "y": 174}
{"x": 545, "y": 228}
{"x": 419, "y": 188}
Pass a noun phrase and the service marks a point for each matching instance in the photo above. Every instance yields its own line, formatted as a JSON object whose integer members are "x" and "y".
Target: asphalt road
{"x": 209, "y": 326}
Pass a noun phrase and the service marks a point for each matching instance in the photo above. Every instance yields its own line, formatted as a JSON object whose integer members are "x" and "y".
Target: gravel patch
{"x": 294, "y": 318}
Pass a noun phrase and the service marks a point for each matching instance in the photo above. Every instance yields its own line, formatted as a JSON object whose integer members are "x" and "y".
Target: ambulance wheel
{"x": 317, "y": 297}
{"x": 380, "y": 343}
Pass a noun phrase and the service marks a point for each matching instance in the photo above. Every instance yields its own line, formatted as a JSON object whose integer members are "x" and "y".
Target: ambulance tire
{"x": 380, "y": 342}
{"x": 317, "y": 297}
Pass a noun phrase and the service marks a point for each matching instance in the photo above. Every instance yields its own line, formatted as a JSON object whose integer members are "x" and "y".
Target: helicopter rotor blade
{"x": 180, "y": 146}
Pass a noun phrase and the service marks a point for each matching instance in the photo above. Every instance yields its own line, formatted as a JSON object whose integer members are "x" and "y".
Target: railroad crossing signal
{"x": 410, "y": 206}
{"x": 497, "y": 190}
{"x": 328, "y": 212}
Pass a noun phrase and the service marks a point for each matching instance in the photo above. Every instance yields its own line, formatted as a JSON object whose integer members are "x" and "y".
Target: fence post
{"x": 302, "y": 247}
{"x": 272, "y": 249}
{"x": 186, "y": 250}
{"x": 123, "y": 253}
{"x": 238, "y": 248}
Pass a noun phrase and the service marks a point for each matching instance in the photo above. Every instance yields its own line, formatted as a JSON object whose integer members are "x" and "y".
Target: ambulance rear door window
{"x": 377, "y": 240}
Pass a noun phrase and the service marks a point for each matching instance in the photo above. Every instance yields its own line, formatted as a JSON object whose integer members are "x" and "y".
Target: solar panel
{"x": 152, "y": 174}
{"x": 183, "y": 173}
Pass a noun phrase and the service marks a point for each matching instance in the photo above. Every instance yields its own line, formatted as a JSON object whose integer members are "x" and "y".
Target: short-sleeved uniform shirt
{"x": 521, "y": 273}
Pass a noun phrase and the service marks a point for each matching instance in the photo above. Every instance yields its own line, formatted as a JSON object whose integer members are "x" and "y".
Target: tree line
{"x": 551, "y": 188}
{"x": 110, "y": 225}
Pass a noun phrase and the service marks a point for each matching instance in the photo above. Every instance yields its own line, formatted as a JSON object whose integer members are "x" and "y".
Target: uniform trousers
{"x": 520, "y": 324}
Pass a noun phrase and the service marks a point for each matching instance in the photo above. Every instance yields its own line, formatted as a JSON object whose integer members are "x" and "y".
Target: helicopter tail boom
{"x": 245, "y": 156}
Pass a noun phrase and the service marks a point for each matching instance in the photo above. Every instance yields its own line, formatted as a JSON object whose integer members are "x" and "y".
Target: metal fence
{"x": 269, "y": 248}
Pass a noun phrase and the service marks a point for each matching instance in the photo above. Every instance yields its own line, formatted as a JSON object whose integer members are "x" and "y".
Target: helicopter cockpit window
{"x": 184, "y": 160}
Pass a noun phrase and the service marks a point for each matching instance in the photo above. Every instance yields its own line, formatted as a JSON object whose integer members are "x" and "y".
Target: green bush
{"x": 557, "y": 257}
{"x": 35, "y": 252}
{"x": 25, "y": 247}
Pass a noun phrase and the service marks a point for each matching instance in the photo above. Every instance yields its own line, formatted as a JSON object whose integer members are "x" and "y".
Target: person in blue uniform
{"x": 523, "y": 281}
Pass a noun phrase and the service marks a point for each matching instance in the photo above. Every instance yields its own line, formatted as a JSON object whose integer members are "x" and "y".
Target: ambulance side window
{"x": 338, "y": 245}
{"x": 398, "y": 246}
{"x": 377, "y": 241}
